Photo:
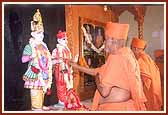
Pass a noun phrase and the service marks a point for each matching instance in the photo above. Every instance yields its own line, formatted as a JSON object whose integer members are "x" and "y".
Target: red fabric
{"x": 72, "y": 100}
{"x": 61, "y": 35}
{"x": 62, "y": 54}
{"x": 48, "y": 91}
{"x": 60, "y": 84}
{"x": 35, "y": 70}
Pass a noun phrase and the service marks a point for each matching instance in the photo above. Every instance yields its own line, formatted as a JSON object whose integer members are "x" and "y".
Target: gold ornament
{"x": 37, "y": 24}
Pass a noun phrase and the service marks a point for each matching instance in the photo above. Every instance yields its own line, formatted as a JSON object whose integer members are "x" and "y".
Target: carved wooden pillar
{"x": 69, "y": 30}
{"x": 140, "y": 28}
{"x": 139, "y": 16}
{"x": 69, "y": 23}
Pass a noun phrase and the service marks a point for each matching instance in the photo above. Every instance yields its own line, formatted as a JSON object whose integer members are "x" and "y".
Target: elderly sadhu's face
{"x": 137, "y": 51}
{"x": 111, "y": 46}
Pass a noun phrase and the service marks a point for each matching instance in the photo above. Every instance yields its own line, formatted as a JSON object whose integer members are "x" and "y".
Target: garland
{"x": 98, "y": 50}
{"x": 47, "y": 67}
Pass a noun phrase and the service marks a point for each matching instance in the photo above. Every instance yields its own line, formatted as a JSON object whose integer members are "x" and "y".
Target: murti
{"x": 64, "y": 74}
{"x": 38, "y": 76}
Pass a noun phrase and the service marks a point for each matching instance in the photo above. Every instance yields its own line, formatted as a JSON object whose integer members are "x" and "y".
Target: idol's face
{"x": 63, "y": 41}
{"x": 38, "y": 35}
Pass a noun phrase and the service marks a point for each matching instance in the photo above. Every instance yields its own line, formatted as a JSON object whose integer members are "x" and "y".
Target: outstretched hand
{"x": 74, "y": 60}
{"x": 72, "y": 63}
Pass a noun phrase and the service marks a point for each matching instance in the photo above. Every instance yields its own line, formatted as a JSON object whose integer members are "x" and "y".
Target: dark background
{"x": 17, "y": 31}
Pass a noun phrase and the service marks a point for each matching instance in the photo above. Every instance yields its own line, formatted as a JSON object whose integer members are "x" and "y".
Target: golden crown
{"x": 37, "y": 24}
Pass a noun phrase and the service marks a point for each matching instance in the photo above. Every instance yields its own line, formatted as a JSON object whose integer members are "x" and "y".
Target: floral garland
{"x": 47, "y": 67}
{"x": 72, "y": 102}
{"x": 88, "y": 41}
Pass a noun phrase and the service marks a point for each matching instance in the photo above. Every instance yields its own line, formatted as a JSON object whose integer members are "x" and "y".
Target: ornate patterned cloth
{"x": 39, "y": 72}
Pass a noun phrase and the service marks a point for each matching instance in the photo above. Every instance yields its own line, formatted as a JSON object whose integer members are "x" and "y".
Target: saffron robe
{"x": 151, "y": 82}
{"x": 121, "y": 70}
